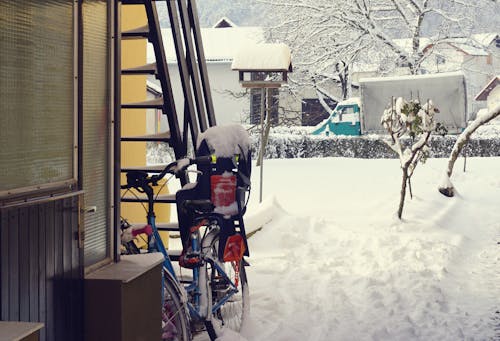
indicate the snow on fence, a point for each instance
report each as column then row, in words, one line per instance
column 364, row 147
column 283, row 146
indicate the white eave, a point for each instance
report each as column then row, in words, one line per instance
column 483, row 95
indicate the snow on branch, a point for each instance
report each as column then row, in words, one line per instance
column 446, row 187
column 417, row 121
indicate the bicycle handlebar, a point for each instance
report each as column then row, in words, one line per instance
column 140, row 179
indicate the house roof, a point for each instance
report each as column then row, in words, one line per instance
column 475, row 45
column 224, row 22
column 219, row 44
column 483, row 95
column 263, row 57
column 485, row 39
column 412, row 77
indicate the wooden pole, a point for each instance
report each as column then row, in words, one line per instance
column 261, row 161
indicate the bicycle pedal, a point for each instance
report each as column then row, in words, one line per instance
column 190, row 260
column 219, row 284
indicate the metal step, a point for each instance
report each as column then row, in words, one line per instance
column 148, row 69
column 132, row 2
column 136, row 2
column 155, row 103
column 149, row 169
column 162, row 198
column 160, row 137
column 136, row 33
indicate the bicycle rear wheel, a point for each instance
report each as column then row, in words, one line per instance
column 232, row 313
column 175, row 321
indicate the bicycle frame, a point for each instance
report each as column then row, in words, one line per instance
column 202, row 305
column 202, row 298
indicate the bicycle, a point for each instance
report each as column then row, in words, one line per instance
column 218, row 289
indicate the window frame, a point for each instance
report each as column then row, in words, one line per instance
column 49, row 189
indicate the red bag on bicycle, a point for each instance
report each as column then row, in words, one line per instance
column 223, row 189
column 235, row 248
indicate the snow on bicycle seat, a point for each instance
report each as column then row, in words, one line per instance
column 224, row 141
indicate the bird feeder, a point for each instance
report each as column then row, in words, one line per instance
column 263, row 66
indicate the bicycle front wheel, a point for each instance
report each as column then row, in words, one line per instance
column 175, row 321
column 233, row 312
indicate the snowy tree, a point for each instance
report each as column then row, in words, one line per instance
column 328, row 37
column 446, row 187
column 411, row 119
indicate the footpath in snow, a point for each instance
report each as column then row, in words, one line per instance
column 332, row 261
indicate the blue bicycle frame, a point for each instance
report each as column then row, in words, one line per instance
column 194, row 287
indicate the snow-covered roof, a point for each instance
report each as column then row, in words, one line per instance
column 410, row 77
column 474, row 46
column 265, row 57
column 485, row 39
column 468, row 48
column 483, row 94
column 219, row 44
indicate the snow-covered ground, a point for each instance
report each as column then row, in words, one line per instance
column 332, row 261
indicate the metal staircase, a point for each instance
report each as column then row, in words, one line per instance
column 198, row 112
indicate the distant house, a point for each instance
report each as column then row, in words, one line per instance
column 491, row 94
column 478, row 57
column 224, row 22
column 220, row 42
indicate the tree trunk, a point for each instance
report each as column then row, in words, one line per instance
column 409, row 187
column 403, row 192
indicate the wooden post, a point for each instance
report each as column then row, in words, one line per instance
column 262, row 148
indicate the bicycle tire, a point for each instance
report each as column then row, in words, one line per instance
column 175, row 320
column 236, row 309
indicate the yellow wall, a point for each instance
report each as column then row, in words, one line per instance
column 133, row 121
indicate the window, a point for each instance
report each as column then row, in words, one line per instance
column 37, row 87
column 313, row 112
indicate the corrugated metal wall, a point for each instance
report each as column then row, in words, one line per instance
column 41, row 267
